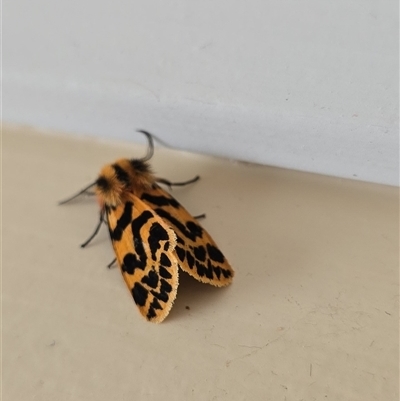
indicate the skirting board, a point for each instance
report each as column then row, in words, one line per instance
column 332, row 145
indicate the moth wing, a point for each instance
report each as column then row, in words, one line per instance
column 197, row 252
column 144, row 247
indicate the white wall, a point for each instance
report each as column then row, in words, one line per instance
column 311, row 85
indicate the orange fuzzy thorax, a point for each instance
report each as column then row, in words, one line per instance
column 122, row 177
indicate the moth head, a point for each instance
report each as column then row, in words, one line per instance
column 109, row 189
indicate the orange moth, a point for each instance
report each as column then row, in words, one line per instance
column 153, row 236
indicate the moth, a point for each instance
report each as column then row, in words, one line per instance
column 153, row 236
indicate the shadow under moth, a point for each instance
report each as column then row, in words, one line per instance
column 153, row 235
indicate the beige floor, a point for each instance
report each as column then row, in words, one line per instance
column 312, row 313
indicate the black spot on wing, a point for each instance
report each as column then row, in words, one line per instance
column 139, row 294
column 151, row 313
column 137, row 242
column 136, row 225
column 217, row 271
column 190, row 259
column 142, row 219
column 165, row 286
column 122, row 223
column 160, row 200
column 165, row 289
column 164, row 272
column 210, row 270
column 164, row 260
column 162, row 296
column 181, row 253
column 201, row 269
column 215, row 254
column 200, row 253
column 131, row 262
column 151, row 279
column 157, row 234
column 155, row 304
column 226, row 273
column 194, row 228
column 191, row 230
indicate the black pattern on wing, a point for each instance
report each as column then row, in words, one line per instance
column 197, row 252
column 144, row 246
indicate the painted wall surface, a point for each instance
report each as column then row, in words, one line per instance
column 310, row 85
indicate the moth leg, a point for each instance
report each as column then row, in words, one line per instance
column 101, row 221
column 200, row 216
column 112, row 263
column 181, row 184
column 177, row 184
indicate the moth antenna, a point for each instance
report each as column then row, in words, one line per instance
column 150, row 146
column 151, row 138
column 76, row 195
